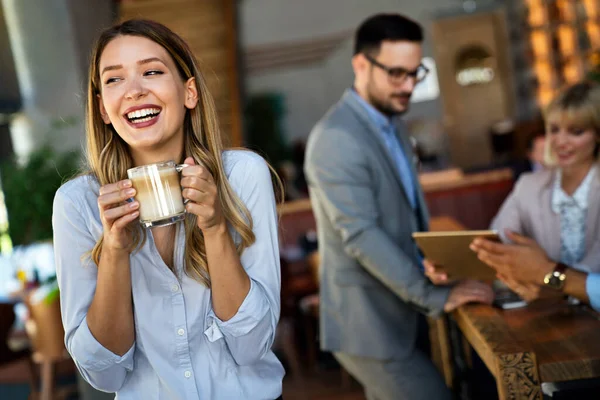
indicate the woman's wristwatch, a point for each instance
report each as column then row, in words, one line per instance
column 556, row 278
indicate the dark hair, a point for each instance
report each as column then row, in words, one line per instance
column 380, row 27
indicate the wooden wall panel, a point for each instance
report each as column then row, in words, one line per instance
column 470, row 110
column 209, row 27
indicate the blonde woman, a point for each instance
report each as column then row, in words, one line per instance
column 556, row 211
column 185, row 311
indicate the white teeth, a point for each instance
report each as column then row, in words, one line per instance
column 138, row 121
column 143, row 113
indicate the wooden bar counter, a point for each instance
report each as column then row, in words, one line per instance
column 548, row 341
column 541, row 343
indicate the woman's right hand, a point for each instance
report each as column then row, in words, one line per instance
column 116, row 214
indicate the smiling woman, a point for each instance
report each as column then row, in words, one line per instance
column 558, row 208
column 186, row 310
column 135, row 68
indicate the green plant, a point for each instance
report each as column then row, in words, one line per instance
column 29, row 189
column 264, row 127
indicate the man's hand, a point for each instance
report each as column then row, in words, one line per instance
column 435, row 275
column 524, row 261
column 469, row 291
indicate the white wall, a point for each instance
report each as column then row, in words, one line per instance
column 268, row 21
column 310, row 91
column 47, row 70
column 50, row 41
column 89, row 19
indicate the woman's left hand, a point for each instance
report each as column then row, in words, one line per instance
column 200, row 190
column 524, row 261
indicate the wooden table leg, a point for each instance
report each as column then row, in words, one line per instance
column 441, row 352
column 47, row 387
column 288, row 344
column 518, row 377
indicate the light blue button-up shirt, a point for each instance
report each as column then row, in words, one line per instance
column 592, row 287
column 387, row 131
column 182, row 350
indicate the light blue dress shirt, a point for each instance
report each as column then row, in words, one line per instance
column 387, row 131
column 592, row 287
column 182, row 350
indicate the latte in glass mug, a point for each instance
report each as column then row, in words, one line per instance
column 158, row 191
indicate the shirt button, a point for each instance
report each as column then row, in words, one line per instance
column 175, row 288
column 187, row 374
column 181, row 332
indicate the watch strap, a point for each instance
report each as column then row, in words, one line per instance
column 560, row 268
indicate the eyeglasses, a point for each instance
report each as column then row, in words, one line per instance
column 398, row 75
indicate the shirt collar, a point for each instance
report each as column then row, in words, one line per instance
column 580, row 197
column 382, row 121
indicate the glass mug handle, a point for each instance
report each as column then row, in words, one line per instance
column 179, row 168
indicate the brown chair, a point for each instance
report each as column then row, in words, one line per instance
column 7, row 319
column 285, row 339
column 296, row 219
column 299, row 285
column 310, row 307
column 45, row 330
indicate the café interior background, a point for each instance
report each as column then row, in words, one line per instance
column 274, row 68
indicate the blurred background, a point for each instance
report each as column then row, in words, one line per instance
column 274, row 68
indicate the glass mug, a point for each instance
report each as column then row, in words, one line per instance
column 158, row 190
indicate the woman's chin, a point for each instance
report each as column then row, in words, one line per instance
column 570, row 163
column 145, row 144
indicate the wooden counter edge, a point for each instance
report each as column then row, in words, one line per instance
column 512, row 363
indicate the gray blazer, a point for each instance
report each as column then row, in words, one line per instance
column 528, row 211
column 371, row 284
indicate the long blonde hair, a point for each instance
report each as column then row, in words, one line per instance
column 577, row 105
column 109, row 158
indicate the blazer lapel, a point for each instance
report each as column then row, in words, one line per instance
column 403, row 138
column 372, row 133
column 549, row 219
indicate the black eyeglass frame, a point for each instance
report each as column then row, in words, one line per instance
column 399, row 74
